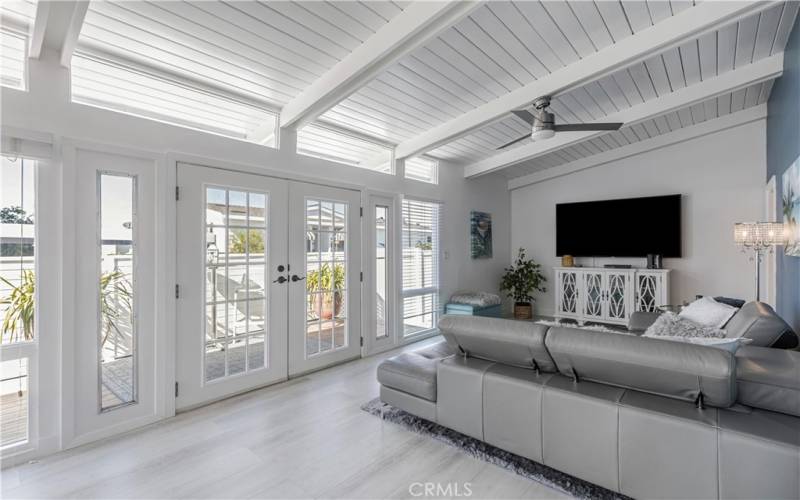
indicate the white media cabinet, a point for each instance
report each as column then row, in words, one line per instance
column 607, row 295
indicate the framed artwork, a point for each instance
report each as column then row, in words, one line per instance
column 791, row 207
column 480, row 235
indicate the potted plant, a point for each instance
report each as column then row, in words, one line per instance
column 519, row 282
column 329, row 279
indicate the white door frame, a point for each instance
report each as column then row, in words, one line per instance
column 75, row 429
column 191, row 315
column 373, row 345
column 300, row 361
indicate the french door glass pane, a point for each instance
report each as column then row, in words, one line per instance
column 326, row 276
column 236, row 284
column 117, row 290
column 381, row 271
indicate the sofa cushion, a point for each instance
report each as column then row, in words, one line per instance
column 672, row 369
column 758, row 321
column 515, row 343
column 410, row 373
column 769, row 379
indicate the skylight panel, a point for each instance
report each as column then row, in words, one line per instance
column 105, row 84
column 328, row 144
column 13, row 56
column 422, row 169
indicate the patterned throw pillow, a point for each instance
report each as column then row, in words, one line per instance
column 670, row 324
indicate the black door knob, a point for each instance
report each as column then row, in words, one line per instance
column 281, row 279
column 297, row 278
column 281, row 268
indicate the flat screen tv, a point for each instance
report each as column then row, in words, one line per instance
column 631, row 227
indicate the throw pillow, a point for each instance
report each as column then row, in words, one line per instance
column 725, row 344
column 670, row 324
column 708, row 312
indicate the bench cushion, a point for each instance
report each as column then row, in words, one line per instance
column 672, row 369
column 769, row 378
column 410, row 373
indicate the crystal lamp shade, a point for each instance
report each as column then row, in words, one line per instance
column 760, row 234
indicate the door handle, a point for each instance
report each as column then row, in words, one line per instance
column 297, row 278
column 281, row 279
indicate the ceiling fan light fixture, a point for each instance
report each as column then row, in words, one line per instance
column 542, row 133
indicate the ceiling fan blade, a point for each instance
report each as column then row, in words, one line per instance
column 587, row 127
column 515, row 141
column 524, row 115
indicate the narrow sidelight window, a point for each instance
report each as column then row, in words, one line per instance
column 381, row 271
column 117, row 326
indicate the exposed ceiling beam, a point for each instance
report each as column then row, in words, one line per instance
column 38, row 29
column 73, row 31
column 671, row 32
column 419, row 23
column 684, row 134
column 56, row 27
column 765, row 69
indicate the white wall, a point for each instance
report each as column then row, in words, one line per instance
column 721, row 178
column 46, row 108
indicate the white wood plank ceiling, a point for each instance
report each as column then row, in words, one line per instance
column 269, row 52
column 264, row 50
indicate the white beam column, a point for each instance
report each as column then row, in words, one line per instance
column 38, row 29
column 765, row 69
column 690, row 23
column 419, row 23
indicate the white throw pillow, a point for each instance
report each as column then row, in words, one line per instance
column 726, row 344
column 708, row 312
column 670, row 324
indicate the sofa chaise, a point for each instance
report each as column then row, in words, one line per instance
column 645, row 417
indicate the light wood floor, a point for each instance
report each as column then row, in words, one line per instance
column 306, row 438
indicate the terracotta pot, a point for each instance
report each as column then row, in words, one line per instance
column 523, row 310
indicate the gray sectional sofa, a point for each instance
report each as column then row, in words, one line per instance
column 644, row 417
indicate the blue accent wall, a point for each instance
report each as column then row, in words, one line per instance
column 783, row 147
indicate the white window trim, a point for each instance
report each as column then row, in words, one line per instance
column 415, row 292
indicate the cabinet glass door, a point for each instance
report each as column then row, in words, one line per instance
column 616, row 288
column 593, row 299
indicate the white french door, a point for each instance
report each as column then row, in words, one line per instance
column 269, row 281
column 231, row 268
column 325, row 276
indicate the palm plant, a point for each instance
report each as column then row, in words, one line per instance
column 19, row 315
column 116, row 302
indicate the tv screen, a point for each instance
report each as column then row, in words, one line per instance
column 632, row 227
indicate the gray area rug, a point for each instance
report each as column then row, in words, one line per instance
column 493, row 455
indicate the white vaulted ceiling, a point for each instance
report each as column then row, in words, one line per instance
column 269, row 51
column 264, row 57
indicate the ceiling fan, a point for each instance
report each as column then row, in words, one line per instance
column 543, row 123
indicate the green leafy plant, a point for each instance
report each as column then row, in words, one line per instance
column 239, row 241
column 19, row 315
column 14, row 215
column 523, row 278
column 116, row 302
column 327, row 278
